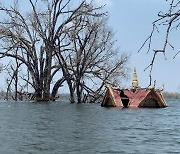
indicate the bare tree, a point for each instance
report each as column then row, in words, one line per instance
column 37, row 36
column 169, row 21
column 93, row 58
column 13, row 72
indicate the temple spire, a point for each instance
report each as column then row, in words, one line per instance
column 135, row 80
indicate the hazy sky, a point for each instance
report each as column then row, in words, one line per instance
column 131, row 20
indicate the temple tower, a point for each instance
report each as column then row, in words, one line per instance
column 135, row 80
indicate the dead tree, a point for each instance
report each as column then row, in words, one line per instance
column 169, row 21
column 92, row 58
column 38, row 35
column 12, row 80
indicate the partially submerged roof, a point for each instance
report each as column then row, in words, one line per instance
column 134, row 97
column 140, row 97
column 112, row 98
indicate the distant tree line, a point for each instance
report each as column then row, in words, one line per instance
column 171, row 95
column 54, row 42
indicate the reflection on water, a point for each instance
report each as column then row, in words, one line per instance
column 61, row 128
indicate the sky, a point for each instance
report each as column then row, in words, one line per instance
column 132, row 23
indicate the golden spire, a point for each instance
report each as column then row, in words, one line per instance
column 135, row 80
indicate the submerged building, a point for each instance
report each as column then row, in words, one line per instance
column 133, row 97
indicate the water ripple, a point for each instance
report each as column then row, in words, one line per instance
column 63, row 128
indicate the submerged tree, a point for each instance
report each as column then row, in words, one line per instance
column 12, row 80
column 93, row 61
column 169, row 21
column 34, row 35
column 61, row 42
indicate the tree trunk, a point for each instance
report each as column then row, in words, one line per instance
column 78, row 92
column 47, row 72
column 72, row 100
column 71, row 90
column 56, row 87
column 16, row 85
column 38, row 94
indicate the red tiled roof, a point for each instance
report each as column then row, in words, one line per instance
column 136, row 97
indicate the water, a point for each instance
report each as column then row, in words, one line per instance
column 61, row 128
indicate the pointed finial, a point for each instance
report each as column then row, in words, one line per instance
column 135, row 80
column 162, row 88
column 154, row 84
